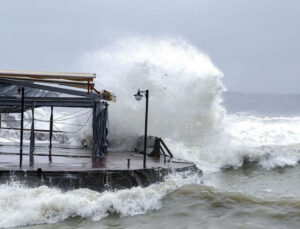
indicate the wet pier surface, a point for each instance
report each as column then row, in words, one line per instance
column 78, row 159
column 73, row 167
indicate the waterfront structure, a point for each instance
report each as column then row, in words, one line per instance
column 70, row 167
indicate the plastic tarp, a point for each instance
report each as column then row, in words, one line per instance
column 8, row 90
column 100, row 128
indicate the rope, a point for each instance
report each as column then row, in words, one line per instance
column 58, row 119
column 41, row 120
column 64, row 118
column 9, row 139
column 82, row 125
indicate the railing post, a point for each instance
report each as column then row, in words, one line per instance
column 22, row 127
column 166, row 147
column 156, row 148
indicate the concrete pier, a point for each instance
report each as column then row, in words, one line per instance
column 73, row 167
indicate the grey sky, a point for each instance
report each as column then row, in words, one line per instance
column 255, row 43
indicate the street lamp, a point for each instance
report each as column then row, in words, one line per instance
column 18, row 94
column 138, row 96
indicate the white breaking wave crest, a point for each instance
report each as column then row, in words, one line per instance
column 20, row 206
column 185, row 106
column 184, row 86
column 270, row 141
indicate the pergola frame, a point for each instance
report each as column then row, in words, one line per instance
column 78, row 99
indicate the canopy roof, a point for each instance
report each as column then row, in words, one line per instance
column 77, row 80
column 35, row 91
column 36, row 85
column 49, row 75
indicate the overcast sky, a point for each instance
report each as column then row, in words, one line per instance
column 256, row 43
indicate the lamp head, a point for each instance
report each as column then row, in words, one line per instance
column 18, row 93
column 138, row 96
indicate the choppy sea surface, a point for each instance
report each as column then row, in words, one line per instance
column 243, row 198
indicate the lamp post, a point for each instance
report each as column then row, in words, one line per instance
column 138, row 96
column 20, row 95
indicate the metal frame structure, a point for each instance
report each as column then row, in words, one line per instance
column 77, row 98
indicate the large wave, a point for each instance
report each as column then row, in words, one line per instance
column 184, row 87
column 185, row 105
column 21, row 206
column 185, row 92
column 269, row 141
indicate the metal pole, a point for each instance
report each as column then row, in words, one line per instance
column 146, row 126
column 22, row 127
column 32, row 137
column 0, row 119
column 50, row 134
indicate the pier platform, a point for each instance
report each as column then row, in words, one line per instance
column 73, row 167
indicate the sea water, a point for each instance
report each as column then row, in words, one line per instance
column 250, row 162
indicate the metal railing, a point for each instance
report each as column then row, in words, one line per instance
column 159, row 148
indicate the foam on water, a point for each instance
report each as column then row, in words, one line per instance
column 20, row 206
column 271, row 141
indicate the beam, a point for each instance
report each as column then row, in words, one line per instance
column 48, row 102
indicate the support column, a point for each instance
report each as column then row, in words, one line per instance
column 95, row 150
column 32, row 137
column 22, row 126
column 98, row 129
column 50, row 134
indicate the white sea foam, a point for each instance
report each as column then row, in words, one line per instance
column 271, row 141
column 20, row 206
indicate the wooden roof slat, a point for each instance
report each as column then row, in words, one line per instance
column 33, row 79
column 49, row 75
column 77, row 84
